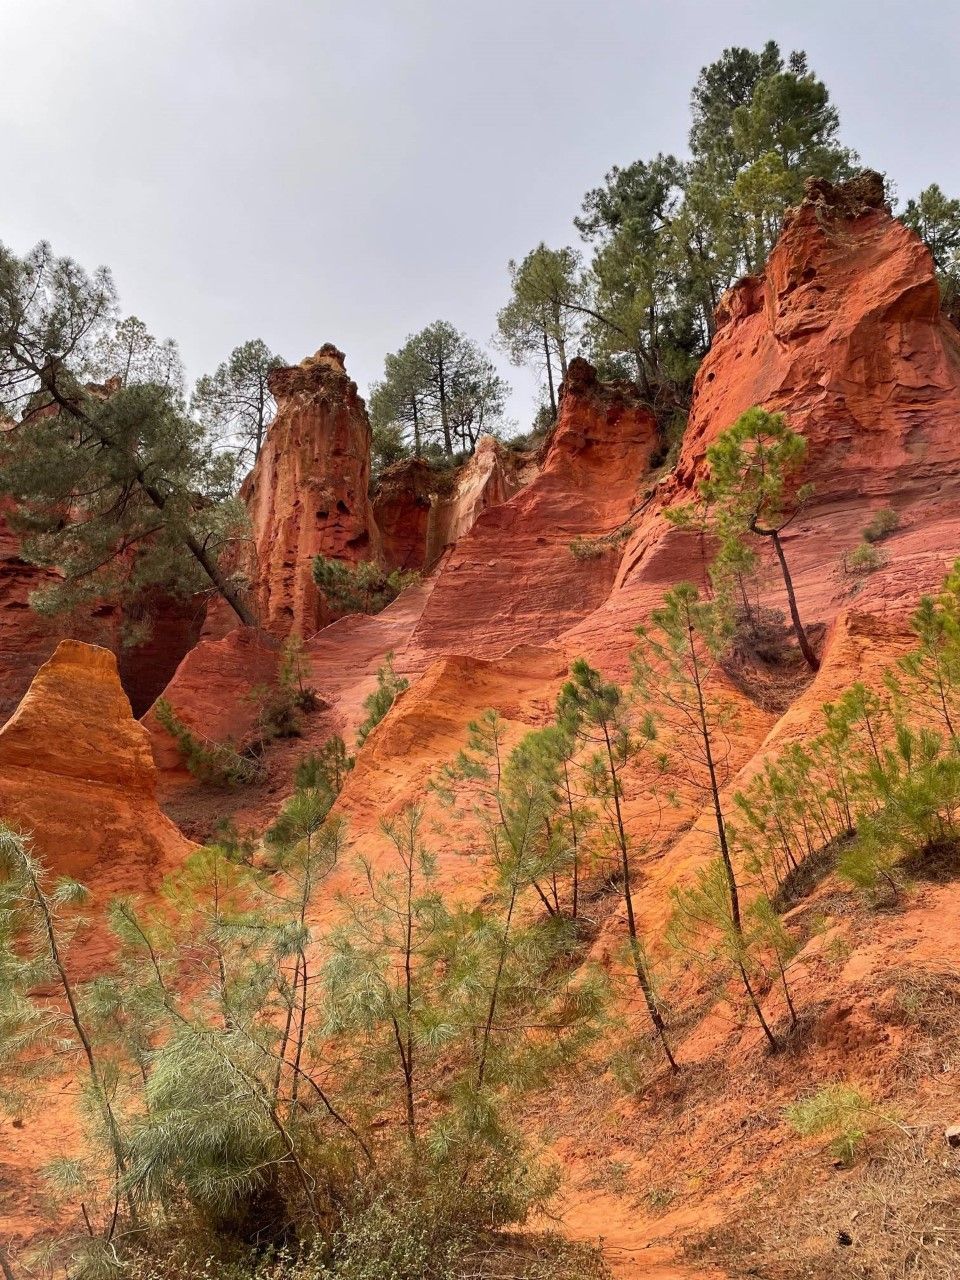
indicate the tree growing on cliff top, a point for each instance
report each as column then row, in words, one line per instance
column 234, row 403
column 762, row 124
column 538, row 324
column 442, row 388
column 936, row 220
column 131, row 353
column 117, row 492
column 669, row 236
column 639, row 323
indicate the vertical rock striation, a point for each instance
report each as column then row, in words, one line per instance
column 307, row 493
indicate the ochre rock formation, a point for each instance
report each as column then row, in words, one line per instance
column 843, row 333
column 76, row 773
column 512, row 578
column 28, row 638
column 486, row 480
column 307, row 493
column 421, row 510
column 213, row 692
column 401, row 508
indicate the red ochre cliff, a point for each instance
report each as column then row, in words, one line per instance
column 842, row 332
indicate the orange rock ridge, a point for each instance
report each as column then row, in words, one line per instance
column 77, row 773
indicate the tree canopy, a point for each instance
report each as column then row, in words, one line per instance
column 115, row 487
column 936, row 220
column 669, row 235
column 234, row 403
column 440, row 391
column 541, row 320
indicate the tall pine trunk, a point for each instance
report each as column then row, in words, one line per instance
column 735, row 914
column 636, row 951
column 553, row 397
column 444, row 409
column 813, row 662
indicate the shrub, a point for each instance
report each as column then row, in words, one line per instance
column 361, row 588
column 883, row 523
column 841, row 1112
column 592, row 548
column 279, row 705
column 277, row 713
column 917, row 814
column 292, row 673
column 326, row 769
column 377, row 704
column 217, row 763
column 863, row 559
column 664, row 458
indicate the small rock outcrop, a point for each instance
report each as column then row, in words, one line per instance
column 77, row 774
column 307, row 493
column 421, row 510
column 212, row 692
column 489, row 478
column 401, row 507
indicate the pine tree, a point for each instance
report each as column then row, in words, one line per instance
column 930, row 673
column 116, row 489
column 751, row 487
column 384, row 977
column 673, row 665
column 595, row 711
column 377, row 704
column 235, row 403
column 37, row 924
column 539, row 323
column 441, row 387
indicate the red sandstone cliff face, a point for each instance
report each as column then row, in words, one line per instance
column 212, row 692
column 489, row 478
column 512, row 578
column 307, row 493
column 843, row 333
column 401, row 508
column 421, row 511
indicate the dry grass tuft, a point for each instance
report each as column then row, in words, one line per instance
column 533, row 1257
column 894, row 1216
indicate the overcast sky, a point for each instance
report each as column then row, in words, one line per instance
column 350, row 170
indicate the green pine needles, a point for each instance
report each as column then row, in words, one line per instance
column 250, row 1076
column 330, row 1056
column 218, row 763
column 378, row 703
column 363, row 587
